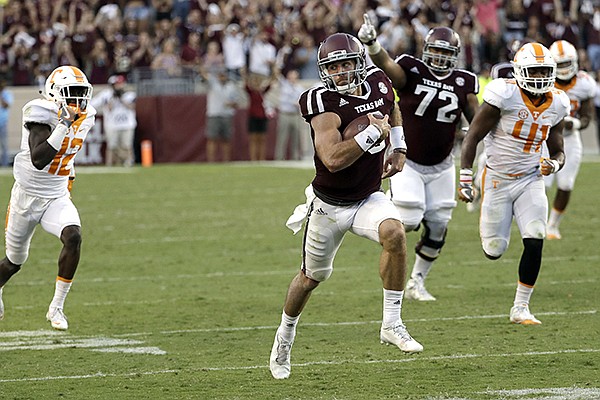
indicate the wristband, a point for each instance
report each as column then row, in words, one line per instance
column 57, row 136
column 397, row 138
column 374, row 48
column 466, row 173
column 367, row 138
column 555, row 164
column 576, row 123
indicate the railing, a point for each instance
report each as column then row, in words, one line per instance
column 162, row 82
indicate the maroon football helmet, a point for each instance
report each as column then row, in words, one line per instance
column 341, row 47
column 446, row 43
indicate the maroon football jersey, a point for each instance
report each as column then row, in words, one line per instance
column 431, row 109
column 363, row 177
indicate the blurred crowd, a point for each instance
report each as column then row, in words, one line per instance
column 108, row 37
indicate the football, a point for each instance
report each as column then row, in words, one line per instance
column 358, row 125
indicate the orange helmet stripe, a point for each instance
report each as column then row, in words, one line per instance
column 78, row 74
column 561, row 49
column 538, row 52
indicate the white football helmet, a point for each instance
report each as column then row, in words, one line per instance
column 68, row 85
column 531, row 60
column 565, row 55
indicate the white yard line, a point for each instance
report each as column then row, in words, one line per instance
column 408, row 359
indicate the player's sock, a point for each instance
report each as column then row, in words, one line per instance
column 555, row 217
column 392, row 304
column 422, row 266
column 523, row 294
column 61, row 290
column 287, row 329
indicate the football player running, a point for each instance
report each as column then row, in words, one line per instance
column 54, row 129
column 502, row 69
column 516, row 118
column 433, row 94
column 581, row 89
column 345, row 194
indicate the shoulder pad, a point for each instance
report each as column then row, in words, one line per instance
column 590, row 83
column 501, row 87
column 41, row 111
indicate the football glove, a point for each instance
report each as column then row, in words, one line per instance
column 548, row 166
column 465, row 185
column 367, row 33
column 67, row 115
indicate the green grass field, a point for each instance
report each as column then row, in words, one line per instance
column 183, row 275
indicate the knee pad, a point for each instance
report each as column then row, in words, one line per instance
column 319, row 274
column 432, row 240
column 17, row 258
column 494, row 247
column 535, row 230
column 318, row 258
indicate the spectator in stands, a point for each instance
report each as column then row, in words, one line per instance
column 215, row 23
column 222, row 100
column 515, row 21
column 257, row 86
column 130, row 34
column 191, row 51
column 181, row 9
column 99, row 63
column 394, row 35
column 143, row 56
column 140, row 11
column 262, row 55
column 6, row 101
column 82, row 34
column 319, row 18
column 21, row 65
column 234, row 55
column 289, row 121
column 192, row 23
column 167, row 61
column 213, row 60
column 163, row 9
column 44, row 64
column 64, row 53
column 592, row 36
column 121, row 58
column 305, row 59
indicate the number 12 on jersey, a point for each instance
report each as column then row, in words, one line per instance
column 60, row 163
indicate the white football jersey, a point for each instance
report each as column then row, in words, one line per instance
column 51, row 181
column 581, row 88
column 514, row 146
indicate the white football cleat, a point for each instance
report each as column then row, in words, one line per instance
column 552, row 233
column 415, row 290
column 1, row 305
column 521, row 315
column 57, row 319
column 399, row 336
column 280, row 361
